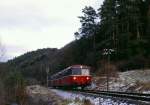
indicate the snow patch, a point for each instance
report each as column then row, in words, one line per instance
column 94, row 100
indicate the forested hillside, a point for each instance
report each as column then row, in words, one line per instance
column 33, row 64
column 121, row 26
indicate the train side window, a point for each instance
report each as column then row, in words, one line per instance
column 63, row 74
column 76, row 71
column 68, row 72
column 57, row 76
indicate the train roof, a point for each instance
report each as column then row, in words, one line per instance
column 79, row 66
column 73, row 66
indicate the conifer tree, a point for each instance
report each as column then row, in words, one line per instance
column 88, row 22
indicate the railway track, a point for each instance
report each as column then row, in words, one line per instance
column 126, row 95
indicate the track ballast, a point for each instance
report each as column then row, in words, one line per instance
column 126, row 95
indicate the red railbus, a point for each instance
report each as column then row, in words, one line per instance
column 73, row 76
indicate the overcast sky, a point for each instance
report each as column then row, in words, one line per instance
column 27, row 25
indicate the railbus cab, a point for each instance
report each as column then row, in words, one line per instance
column 73, row 76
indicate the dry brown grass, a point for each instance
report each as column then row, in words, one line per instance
column 107, row 69
column 87, row 102
column 144, row 86
column 140, row 87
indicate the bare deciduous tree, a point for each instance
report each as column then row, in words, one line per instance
column 109, row 71
column 2, row 51
column 2, row 90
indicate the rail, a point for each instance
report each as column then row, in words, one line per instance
column 133, row 96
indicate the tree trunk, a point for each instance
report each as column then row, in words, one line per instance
column 148, row 19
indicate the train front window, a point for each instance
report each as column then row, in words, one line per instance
column 85, row 72
column 76, row 71
column 79, row 71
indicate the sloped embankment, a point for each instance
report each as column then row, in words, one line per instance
column 132, row 81
column 39, row 95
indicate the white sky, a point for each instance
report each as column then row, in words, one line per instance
column 27, row 25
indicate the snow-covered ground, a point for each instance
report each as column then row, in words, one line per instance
column 135, row 81
column 135, row 75
column 95, row 100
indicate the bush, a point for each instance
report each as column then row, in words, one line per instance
column 15, row 87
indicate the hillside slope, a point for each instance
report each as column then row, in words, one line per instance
column 132, row 81
column 33, row 64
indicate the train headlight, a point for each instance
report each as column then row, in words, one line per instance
column 74, row 78
column 87, row 78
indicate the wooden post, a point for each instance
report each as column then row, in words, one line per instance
column 47, row 72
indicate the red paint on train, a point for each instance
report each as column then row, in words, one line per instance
column 76, row 75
